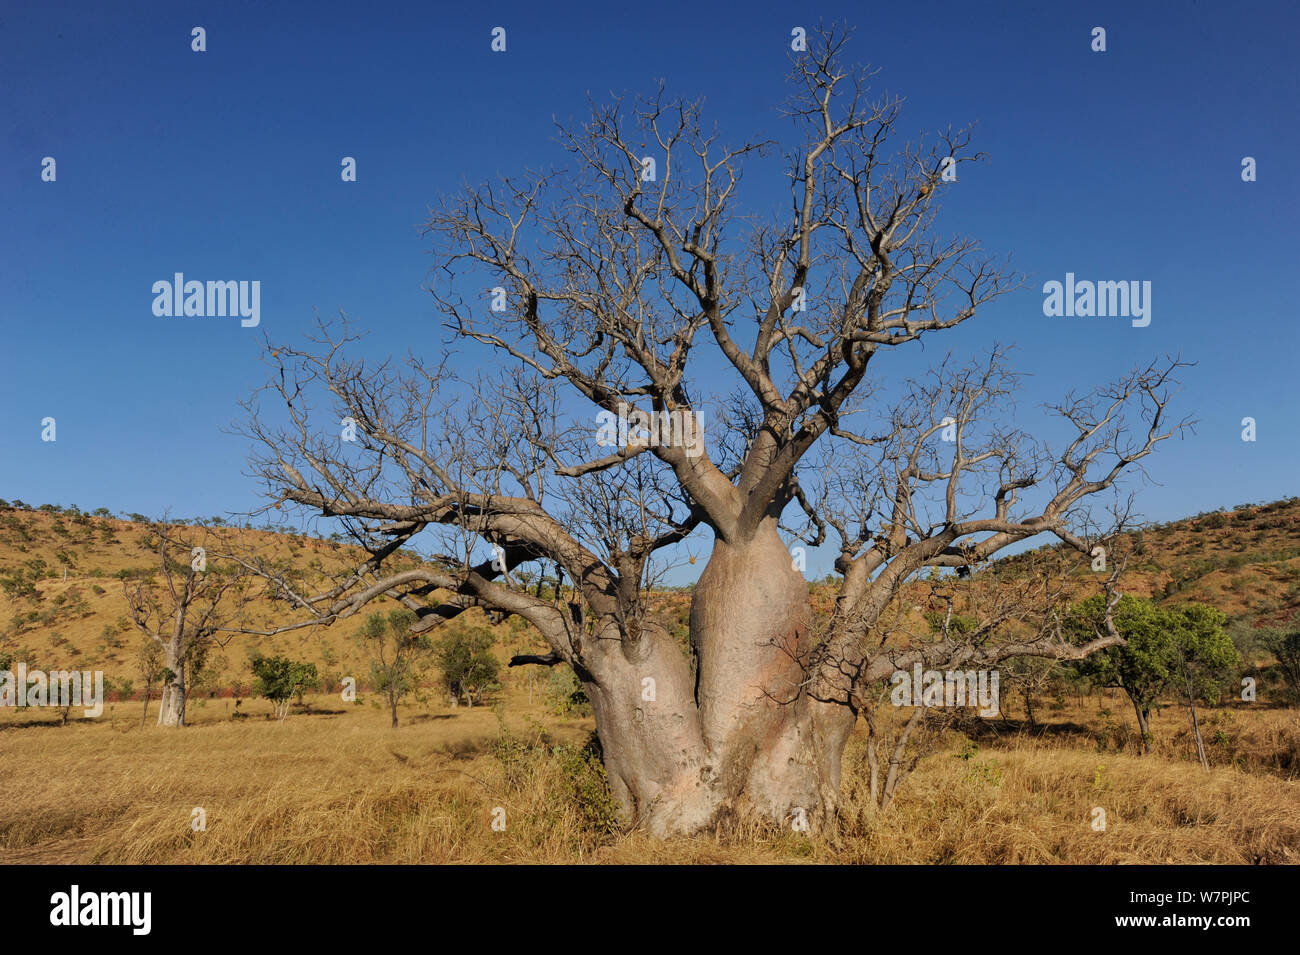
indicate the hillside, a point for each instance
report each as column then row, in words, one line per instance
column 62, row 602
column 1245, row 562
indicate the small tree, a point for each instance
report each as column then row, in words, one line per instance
column 1207, row 655
column 1028, row 676
column 565, row 694
column 396, row 654
column 1286, row 648
column 467, row 664
column 152, row 671
column 279, row 678
column 1161, row 650
column 191, row 599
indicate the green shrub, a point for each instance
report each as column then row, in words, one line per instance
column 278, row 679
column 564, row 694
column 468, row 666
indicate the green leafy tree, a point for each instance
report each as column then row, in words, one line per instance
column 396, row 655
column 279, row 678
column 1184, row 647
column 1208, row 657
column 468, row 666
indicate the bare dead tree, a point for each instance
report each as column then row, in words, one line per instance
column 192, row 600
column 592, row 451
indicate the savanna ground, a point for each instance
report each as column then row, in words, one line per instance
column 335, row 784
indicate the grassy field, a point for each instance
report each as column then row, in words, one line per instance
column 335, row 784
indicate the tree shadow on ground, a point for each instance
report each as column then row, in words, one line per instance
column 996, row 731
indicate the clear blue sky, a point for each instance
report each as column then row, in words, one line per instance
column 225, row 164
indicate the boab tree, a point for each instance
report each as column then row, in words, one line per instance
column 595, row 287
column 191, row 599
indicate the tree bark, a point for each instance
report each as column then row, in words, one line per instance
column 684, row 755
column 1143, row 726
column 171, row 708
column 1196, row 724
column 643, row 699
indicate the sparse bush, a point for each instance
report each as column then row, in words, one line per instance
column 564, row 694
column 569, row 782
column 1286, row 648
column 19, row 586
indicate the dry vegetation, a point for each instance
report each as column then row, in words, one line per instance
column 82, row 621
column 334, row 784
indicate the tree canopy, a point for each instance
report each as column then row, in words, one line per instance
column 737, row 349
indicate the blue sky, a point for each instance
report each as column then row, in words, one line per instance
column 225, row 164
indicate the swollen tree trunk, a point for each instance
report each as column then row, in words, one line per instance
column 750, row 625
column 685, row 753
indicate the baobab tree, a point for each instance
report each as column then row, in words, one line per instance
column 611, row 301
column 191, row 600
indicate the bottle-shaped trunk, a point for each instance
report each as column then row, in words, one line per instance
column 171, row 710
column 742, row 735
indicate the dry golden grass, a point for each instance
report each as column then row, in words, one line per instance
column 1034, row 804
column 339, row 786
